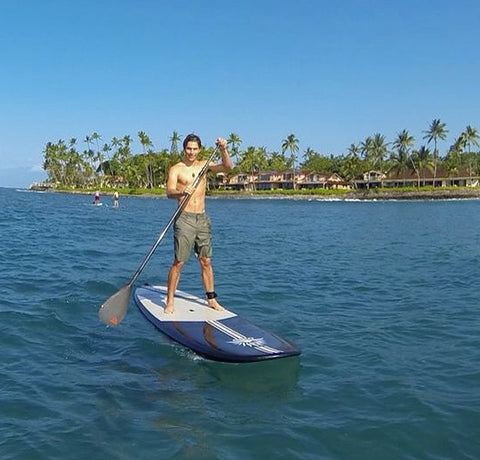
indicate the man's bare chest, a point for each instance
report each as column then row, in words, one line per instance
column 188, row 174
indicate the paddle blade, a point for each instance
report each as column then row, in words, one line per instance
column 114, row 309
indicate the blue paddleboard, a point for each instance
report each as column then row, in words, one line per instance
column 215, row 335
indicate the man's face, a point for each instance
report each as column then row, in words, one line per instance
column 191, row 150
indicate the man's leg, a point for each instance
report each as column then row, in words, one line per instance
column 172, row 283
column 208, row 281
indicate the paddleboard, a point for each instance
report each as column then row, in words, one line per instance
column 216, row 335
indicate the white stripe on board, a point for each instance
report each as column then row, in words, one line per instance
column 242, row 340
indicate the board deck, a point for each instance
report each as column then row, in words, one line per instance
column 215, row 335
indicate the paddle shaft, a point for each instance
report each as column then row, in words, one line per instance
column 178, row 210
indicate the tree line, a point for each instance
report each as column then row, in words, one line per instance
column 113, row 164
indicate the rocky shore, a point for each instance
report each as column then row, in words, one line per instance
column 364, row 195
column 437, row 194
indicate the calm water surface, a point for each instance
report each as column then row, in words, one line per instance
column 382, row 297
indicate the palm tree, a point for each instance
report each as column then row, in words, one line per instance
column 401, row 158
column 106, row 165
column 50, row 163
column 291, row 143
column 87, row 140
column 366, row 148
column 309, row 155
column 437, row 130
column 96, row 137
column 373, row 150
column 469, row 138
column 454, row 156
column 379, row 150
column 175, row 138
column 98, row 157
column 144, row 140
column 354, row 151
column 253, row 161
column 423, row 159
column 89, row 154
column 116, row 142
column 234, row 142
column 277, row 162
column 123, row 157
column 351, row 166
column 146, row 145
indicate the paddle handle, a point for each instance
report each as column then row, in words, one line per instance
column 178, row 210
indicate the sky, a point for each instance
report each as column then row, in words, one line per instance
column 330, row 72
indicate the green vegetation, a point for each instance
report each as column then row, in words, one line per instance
column 114, row 165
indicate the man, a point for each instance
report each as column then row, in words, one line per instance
column 192, row 229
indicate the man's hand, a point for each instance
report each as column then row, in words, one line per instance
column 221, row 143
column 189, row 190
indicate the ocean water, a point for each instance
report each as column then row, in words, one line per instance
column 382, row 297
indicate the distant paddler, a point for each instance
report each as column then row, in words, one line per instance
column 96, row 198
column 115, row 199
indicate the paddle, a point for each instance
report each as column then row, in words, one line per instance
column 114, row 309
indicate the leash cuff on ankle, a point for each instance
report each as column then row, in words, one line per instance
column 211, row 295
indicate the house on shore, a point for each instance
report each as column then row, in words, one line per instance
column 286, row 180
column 462, row 177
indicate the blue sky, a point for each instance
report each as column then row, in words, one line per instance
column 332, row 73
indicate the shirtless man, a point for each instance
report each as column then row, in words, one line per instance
column 192, row 227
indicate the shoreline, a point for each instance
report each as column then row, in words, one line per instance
column 351, row 195
column 364, row 195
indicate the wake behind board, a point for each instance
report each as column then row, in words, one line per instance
column 215, row 335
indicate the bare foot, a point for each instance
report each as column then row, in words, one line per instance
column 212, row 303
column 168, row 309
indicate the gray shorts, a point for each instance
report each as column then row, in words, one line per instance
column 192, row 231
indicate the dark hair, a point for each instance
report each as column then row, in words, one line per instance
column 192, row 138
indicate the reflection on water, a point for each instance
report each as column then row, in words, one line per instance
column 270, row 378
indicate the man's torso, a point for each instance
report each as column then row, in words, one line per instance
column 185, row 176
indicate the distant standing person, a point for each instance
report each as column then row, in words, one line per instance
column 96, row 198
column 115, row 199
column 192, row 228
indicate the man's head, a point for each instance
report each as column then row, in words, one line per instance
column 192, row 138
column 191, row 148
